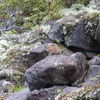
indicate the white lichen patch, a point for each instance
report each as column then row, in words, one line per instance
column 45, row 28
column 38, row 44
column 6, row 72
column 73, row 14
column 3, row 45
column 5, row 83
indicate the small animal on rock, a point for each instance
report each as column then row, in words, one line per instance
column 52, row 48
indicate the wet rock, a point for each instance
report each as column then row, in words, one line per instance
column 94, row 61
column 45, row 94
column 80, row 58
column 53, row 70
column 36, row 55
column 92, row 75
column 21, row 95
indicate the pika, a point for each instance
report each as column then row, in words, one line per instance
column 52, row 48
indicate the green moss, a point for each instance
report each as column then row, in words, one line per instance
column 32, row 10
column 15, row 88
column 62, row 47
column 98, row 55
column 54, row 41
column 11, row 32
column 59, row 90
column 19, row 89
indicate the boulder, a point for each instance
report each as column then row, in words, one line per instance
column 45, row 94
column 67, row 52
column 21, row 95
column 69, row 89
column 90, row 55
column 94, row 61
column 52, row 70
column 42, row 94
column 36, row 55
column 80, row 59
column 93, row 75
column 79, row 39
column 97, row 34
column 55, row 33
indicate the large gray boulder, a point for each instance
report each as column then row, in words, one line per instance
column 53, row 70
column 78, row 38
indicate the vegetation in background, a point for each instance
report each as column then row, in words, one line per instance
column 33, row 11
column 68, row 3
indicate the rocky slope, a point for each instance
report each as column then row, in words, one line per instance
column 77, row 69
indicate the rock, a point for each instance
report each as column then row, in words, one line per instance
column 21, row 95
column 97, row 34
column 78, row 38
column 94, row 61
column 93, row 75
column 52, row 70
column 69, row 89
column 67, row 52
column 45, row 94
column 81, row 62
column 47, row 40
column 55, row 33
column 84, row 93
column 4, row 85
column 52, row 22
column 90, row 55
column 36, row 55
